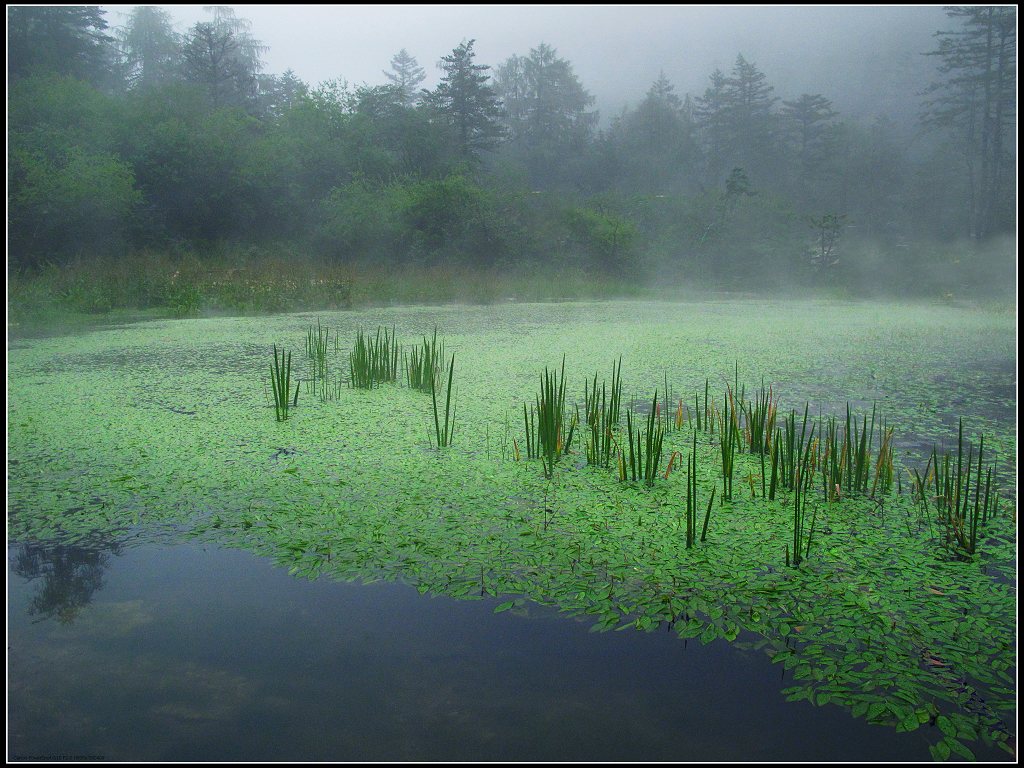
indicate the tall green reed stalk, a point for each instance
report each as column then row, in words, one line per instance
column 552, row 436
column 280, row 382
column 425, row 365
column 317, row 341
column 760, row 421
column 729, row 442
column 444, row 434
column 373, row 361
column 645, row 447
column 601, row 414
column 802, row 488
column 961, row 518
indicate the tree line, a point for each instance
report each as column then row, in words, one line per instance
column 133, row 138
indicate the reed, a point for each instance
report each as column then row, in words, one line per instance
column 373, row 361
column 691, row 496
column 444, row 434
column 802, row 486
column 961, row 518
column 760, row 421
column 548, row 435
column 280, row 383
column 729, row 442
column 424, row 365
column 601, row 414
column 645, row 447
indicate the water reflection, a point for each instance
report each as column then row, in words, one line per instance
column 71, row 576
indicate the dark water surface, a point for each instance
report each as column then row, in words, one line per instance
column 190, row 653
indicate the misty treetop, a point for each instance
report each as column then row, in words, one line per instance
column 142, row 138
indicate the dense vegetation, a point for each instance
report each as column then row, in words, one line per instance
column 148, row 168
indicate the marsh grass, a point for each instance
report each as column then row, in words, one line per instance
column 950, row 480
column 444, row 435
column 644, row 447
column 280, row 383
column 548, row 431
column 801, row 492
column 760, row 421
column 601, row 415
column 729, row 443
column 373, row 361
column 424, row 365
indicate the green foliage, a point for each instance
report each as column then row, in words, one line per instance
column 606, row 239
column 80, row 204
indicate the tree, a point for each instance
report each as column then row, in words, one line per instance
column 150, row 48
column 545, row 103
column 808, row 119
column 657, row 142
column 223, row 57
column 406, row 75
column 467, row 103
column 808, row 125
column 976, row 102
column 212, row 60
column 736, row 112
column 279, row 93
column 63, row 40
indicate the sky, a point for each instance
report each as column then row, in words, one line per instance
column 848, row 53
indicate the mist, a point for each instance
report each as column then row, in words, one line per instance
column 776, row 149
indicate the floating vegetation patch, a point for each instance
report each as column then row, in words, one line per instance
column 875, row 613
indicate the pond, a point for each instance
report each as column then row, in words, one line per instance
column 191, row 579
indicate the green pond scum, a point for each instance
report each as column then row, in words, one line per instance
column 844, row 575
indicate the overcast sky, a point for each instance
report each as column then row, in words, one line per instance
column 846, row 53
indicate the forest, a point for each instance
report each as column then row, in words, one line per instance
column 153, row 169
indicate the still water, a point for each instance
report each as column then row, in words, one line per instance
column 184, row 652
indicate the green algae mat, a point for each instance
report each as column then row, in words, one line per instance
column 169, row 430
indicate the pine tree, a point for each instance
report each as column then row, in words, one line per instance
column 65, row 40
column 406, row 75
column 976, row 102
column 150, row 48
column 467, row 103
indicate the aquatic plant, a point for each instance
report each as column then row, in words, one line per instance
column 549, row 437
column 373, row 361
column 760, row 421
column 645, row 448
column 280, row 382
column 424, row 365
column 801, row 491
column 729, row 442
column 960, row 518
column 444, row 434
column 601, row 415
